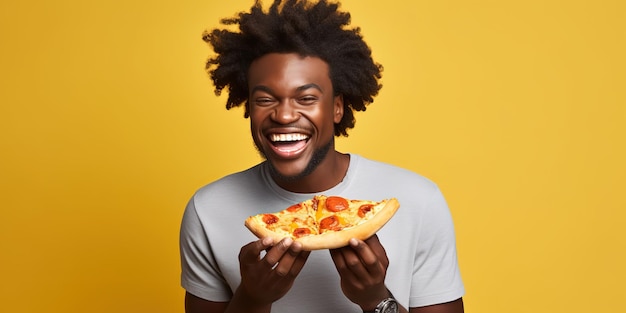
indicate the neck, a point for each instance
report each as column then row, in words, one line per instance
column 328, row 174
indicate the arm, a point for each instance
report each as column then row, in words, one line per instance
column 455, row 306
column 363, row 266
column 194, row 304
column 263, row 280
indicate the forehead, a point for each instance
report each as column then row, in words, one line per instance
column 288, row 70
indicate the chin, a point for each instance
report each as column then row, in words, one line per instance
column 290, row 170
column 293, row 170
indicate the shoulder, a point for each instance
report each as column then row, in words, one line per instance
column 418, row 196
column 241, row 189
column 389, row 176
column 232, row 183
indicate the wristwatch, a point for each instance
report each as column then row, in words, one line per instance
column 389, row 305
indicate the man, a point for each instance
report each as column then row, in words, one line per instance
column 300, row 74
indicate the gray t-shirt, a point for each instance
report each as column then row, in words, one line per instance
column 419, row 239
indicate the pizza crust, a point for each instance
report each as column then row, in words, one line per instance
column 331, row 239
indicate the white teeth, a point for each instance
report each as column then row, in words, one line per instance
column 288, row 137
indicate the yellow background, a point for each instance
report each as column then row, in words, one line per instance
column 108, row 123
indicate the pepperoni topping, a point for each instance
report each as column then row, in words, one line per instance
column 330, row 223
column 270, row 219
column 294, row 208
column 301, row 232
column 336, row 204
column 364, row 209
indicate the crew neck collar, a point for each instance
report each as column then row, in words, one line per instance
column 298, row 197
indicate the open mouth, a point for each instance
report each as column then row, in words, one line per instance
column 288, row 144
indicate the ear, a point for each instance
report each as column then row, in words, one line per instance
column 338, row 108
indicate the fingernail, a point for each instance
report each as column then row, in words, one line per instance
column 288, row 241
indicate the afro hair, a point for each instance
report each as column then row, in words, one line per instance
column 307, row 28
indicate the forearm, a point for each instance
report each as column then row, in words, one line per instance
column 237, row 304
column 241, row 303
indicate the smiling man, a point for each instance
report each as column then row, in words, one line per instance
column 300, row 72
column 293, row 112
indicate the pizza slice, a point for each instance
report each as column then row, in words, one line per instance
column 324, row 222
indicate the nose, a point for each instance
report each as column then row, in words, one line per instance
column 285, row 112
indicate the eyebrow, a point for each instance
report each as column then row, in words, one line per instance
column 308, row 86
column 300, row 88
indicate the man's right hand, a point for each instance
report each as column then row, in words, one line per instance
column 265, row 279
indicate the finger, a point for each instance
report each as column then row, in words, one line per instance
column 250, row 252
column 374, row 244
column 292, row 261
column 341, row 257
column 337, row 257
column 274, row 254
column 299, row 263
column 368, row 263
column 364, row 252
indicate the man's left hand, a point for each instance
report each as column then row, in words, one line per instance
column 362, row 266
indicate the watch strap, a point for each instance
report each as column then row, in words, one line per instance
column 381, row 304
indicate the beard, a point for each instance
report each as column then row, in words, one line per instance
column 318, row 156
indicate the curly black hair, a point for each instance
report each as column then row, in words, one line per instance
column 295, row 26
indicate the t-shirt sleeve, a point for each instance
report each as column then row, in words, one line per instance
column 200, row 273
column 436, row 276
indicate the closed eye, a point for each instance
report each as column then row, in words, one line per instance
column 263, row 101
column 307, row 100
